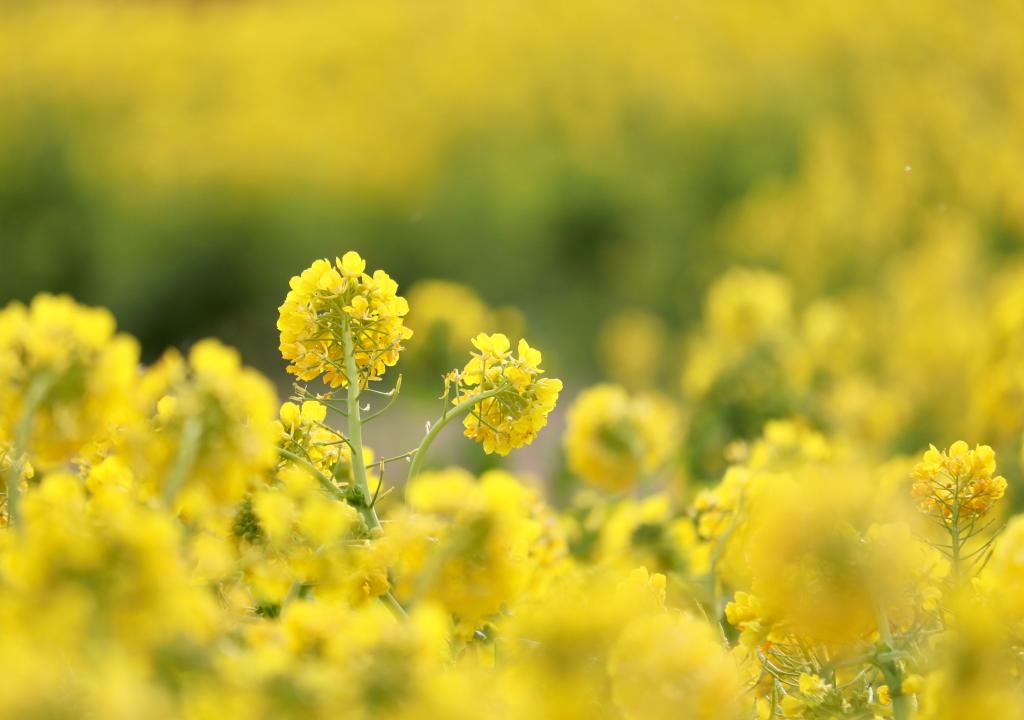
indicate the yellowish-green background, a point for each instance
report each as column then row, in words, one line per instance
column 179, row 161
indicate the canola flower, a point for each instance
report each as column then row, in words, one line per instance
column 200, row 549
column 792, row 578
column 509, row 400
column 333, row 312
column 958, row 481
column 958, row 487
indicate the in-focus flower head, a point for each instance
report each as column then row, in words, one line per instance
column 519, row 399
column 327, row 299
column 958, row 481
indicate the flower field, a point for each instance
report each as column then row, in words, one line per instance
column 632, row 361
column 176, row 541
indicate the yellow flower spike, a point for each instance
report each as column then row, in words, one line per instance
column 319, row 307
column 957, row 483
column 505, row 401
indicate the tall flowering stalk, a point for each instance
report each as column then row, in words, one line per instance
column 346, row 327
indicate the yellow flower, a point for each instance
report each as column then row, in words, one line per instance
column 612, row 439
column 471, row 546
column 885, row 695
column 958, row 482
column 212, row 429
column 670, row 666
column 65, row 372
column 323, row 304
column 519, row 399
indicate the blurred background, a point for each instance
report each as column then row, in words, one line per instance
column 803, row 207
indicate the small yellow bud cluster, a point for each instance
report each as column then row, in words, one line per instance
column 959, row 481
column 327, row 301
column 518, row 401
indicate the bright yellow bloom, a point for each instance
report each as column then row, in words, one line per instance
column 519, row 401
column 325, row 300
column 471, row 546
column 959, row 482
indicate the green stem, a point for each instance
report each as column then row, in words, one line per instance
column 33, row 398
column 396, row 607
column 954, row 532
column 325, row 483
column 463, row 407
column 903, row 705
column 188, row 451
column 355, row 433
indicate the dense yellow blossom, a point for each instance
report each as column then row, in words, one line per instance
column 328, row 302
column 958, row 481
column 670, row 666
column 517, row 400
column 198, row 549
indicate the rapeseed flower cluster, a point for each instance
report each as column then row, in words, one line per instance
column 332, row 306
column 198, row 549
column 958, row 481
column 510, row 401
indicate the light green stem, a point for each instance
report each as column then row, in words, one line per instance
column 33, row 398
column 903, row 706
column 396, row 607
column 188, row 451
column 355, row 433
column 463, row 407
column 324, row 481
column 954, row 533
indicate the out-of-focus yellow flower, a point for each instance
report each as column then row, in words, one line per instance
column 471, row 546
column 670, row 666
column 66, row 376
column 613, row 439
column 633, row 348
column 213, row 433
column 327, row 301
